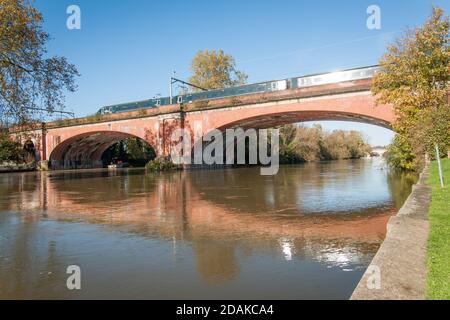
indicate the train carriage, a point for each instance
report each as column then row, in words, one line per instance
column 262, row 87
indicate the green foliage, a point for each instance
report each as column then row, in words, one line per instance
column 10, row 150
column 137, row 150
column 303, row 144
column 162, row 164
column 213, row 69
column 289, row 144
column 439, row 239
column 399, row 154
column 132, row 150
column 415, row 79
column 28, row 78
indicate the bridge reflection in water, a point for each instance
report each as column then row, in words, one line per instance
column 308, row 232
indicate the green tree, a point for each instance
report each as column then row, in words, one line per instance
column 288, row 144
column 28, row 79
column 415, row 79
column 213, row 69
column 10, row 150
column 399, row 154
column 132, row 150
column 138, row 151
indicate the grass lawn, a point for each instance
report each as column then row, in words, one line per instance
column 439, row 241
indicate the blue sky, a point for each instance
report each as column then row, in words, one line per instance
column 127, row 49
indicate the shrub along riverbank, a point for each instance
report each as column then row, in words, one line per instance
column 439, row 240
column 299, row 143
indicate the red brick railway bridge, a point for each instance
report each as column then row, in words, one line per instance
column 80, row 143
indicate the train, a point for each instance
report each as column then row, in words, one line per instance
column 241, row 90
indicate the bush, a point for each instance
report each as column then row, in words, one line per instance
column 162, row 164
column 305, row 144
column 9, row 150
column 400, row 155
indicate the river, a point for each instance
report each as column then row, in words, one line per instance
column 307, row 233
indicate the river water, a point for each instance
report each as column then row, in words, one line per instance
column 307, row 233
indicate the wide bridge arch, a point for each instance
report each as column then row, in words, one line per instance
column 85, row 150
column 356, row 107
column 83, row 146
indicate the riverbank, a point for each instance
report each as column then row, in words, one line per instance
column 439, row 242
column 399, row 269
column 13, row 167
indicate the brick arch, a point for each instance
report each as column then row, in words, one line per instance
column 85, row 150
column 353, row 107
column 278, row 119
column 357, row 107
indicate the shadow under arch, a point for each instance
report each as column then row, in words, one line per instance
column 84, row 151
column 29, row 152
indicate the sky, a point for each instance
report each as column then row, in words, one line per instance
column 126, row 50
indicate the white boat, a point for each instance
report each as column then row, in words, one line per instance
column 118, row 166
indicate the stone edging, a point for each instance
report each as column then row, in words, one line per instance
column 399, row 269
